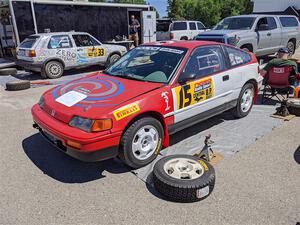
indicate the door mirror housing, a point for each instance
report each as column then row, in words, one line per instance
column 185, row 77
column 263, row 27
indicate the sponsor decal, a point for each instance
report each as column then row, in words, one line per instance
column 100, row 91
column 203, row 164
column 165, row 95
column 158, row 147
column 201, row 193
column 95, row 52
column 194, row 92
column 126, row 111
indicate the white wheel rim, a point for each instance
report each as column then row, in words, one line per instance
column 114, row 58
column 183, row 169
column 145, row 142
column 290, row 48
column 54, row 69
column 247, row 100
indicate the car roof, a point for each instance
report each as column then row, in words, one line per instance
column 183, row 44
column 259, row 15
column 58, row 33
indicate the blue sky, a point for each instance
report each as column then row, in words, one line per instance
column 160, row 5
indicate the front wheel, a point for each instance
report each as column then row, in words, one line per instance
column 141, row 142
column 245, row 101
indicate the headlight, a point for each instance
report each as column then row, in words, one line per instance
column 233, row 40
column 42, row 102
column 90, row 125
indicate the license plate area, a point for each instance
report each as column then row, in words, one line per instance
column 58, row 143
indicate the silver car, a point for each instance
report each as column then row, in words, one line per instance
column 52, row 53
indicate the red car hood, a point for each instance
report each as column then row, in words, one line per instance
column 103, row 94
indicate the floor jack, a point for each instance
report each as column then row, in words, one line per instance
column 282, row 110
column 207, row 153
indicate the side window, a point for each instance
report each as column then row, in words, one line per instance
column 205, row 61
column 289, row 22
column 59, row 41
column 200, row 26
column 237, row 57
column 272, row 23
column 192, row 26
column 83, row 40
column 262, row 21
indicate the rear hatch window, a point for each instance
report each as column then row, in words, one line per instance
column 29, row 42
column 179, row 26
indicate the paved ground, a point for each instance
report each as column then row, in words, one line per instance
column 39, row 185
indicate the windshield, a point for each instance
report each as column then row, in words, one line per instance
column 148, row 63
column 29, row 42
column 235, row 23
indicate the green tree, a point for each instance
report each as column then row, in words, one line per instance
column 209, row 12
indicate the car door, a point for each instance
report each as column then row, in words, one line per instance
column 61, row 46
column 205, row 94
column 263, row 36
column 193, row 30
column 201, row 27
column 276, row 34
column 89, row 50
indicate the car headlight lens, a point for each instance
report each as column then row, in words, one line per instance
column 90, row 125
column 233, row 40
column 42, row 102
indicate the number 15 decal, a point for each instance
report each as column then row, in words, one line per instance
column 185, row 96
column 194, row 92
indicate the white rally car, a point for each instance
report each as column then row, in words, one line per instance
column 52, row 53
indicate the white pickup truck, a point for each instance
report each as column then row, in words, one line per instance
column 260, row 34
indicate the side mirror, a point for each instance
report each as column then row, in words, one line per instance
column 185, row 77
column 263, row 27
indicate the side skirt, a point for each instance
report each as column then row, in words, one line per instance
column 201, row 117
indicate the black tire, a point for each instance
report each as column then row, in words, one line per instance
column 237, row 111
column 184, row 190
column 112, row 59
column 52, row 70
column 8, row 71
column 291, row 47
column 184, row 38
column 126, row 153
column 17, row 85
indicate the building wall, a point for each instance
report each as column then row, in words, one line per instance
column 274, row 5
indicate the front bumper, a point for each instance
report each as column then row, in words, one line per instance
column 27, row 65
column 94, row 146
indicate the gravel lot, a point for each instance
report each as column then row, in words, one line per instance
column 40, row 185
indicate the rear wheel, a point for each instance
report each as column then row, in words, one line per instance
column 184, row 38
column 291, row 47
column 112, row 59
column 141, row 142
column 52, row 70
column 245, row 101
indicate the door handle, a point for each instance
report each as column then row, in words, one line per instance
column 269, row 34
column 226, row 77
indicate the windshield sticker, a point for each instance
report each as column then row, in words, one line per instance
column 172, row 50
column 126, row 111
column 194, row 92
